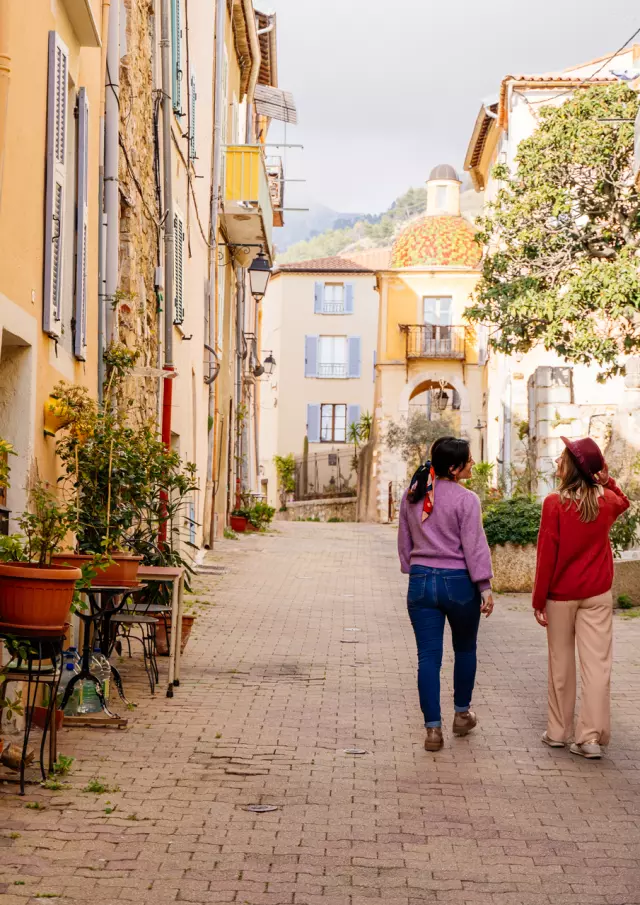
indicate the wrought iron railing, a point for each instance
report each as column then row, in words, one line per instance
column 332, row 370
column 323, row 476
column 434, row 341
column 333, row 307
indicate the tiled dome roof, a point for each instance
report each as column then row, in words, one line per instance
column 444, row 241
column 444, row 171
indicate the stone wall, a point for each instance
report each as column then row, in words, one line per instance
column 514, row 568
column 139, row 201
column 343, row 508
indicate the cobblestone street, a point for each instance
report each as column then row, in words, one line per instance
column 303, row 649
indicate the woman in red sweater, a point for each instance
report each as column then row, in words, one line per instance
column 572, row 595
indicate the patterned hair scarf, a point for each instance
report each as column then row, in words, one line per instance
column 427, row 473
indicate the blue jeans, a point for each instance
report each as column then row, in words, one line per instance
column 435, row 595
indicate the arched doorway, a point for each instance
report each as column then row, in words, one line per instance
column 437, row 400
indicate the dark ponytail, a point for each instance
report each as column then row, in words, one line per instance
column 447, row 454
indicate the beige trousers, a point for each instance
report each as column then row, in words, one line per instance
column 590, row 623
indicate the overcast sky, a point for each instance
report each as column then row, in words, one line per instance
column 387, row 89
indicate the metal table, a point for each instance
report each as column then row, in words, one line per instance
column 171, row 577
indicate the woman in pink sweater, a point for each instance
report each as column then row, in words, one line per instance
column 442, row 545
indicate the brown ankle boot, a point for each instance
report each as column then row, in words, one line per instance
column 434, row 740
column 463, row 723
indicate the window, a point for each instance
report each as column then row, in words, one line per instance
column 333, row 298
column 438, row 310
column 437, row 333
column 333, row 302
column 333, row 423
column 441, row 197
column 332, row 356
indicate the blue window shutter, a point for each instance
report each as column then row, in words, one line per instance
column 375, row 359
column 311, row 356
column 178, row 270
column 54, row 225
column 176, row 54
column 313, row 422
column 353, row 415
column 318, row 298
column 192, row 117
column 349, row 291
column 80, row 301
column 354, row 356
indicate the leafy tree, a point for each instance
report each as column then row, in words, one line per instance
column 564, row 236
column 414, row 435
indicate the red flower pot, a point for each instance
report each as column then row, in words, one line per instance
column 162, row 642
column 239, row 523
column 123, row 571
column 36, row 596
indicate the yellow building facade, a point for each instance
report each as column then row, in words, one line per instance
column 49, row 132
column 429, row 361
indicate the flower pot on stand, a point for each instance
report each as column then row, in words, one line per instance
column 239, row 523
column 122, row 571
column 163, row 643
column 33, row 596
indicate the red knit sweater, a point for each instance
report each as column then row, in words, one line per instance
column 574, row 558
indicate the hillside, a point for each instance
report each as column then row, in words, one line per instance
column 371, row 231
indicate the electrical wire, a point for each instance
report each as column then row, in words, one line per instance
column 593, row 74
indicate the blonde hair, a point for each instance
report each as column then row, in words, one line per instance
column 574, row 488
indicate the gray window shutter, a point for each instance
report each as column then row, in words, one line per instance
column 353, row 416
column 82, row 201
column 313, row 422
column 178, row 298
column 311, row 356
column 55, row 185
column 349, row 291
column 318, row 298
column 176, row 53
column 354, row 356
column 192, row 118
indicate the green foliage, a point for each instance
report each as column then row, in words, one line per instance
column 625, row 531
column 625, row 602
column 563, row 235
column 258, row 514
column 230, row 534
column 373, row 231
column 335, row 518
column 366, row 426
column 63, row 765
column 480, row 481
column 286, row 471
column 45, row 525
column 6, row 450
column 98, row 787
column 414, row 435
column 513, row 521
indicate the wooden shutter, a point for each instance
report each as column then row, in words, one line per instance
column 176, row 54
column 353, row 416
column 313, row 422
column 178, row 297
column 318, row 298
column 349, row 291
column 55, row 184
column 311, row 356
column 192, row 118
column 353, row 364
column 82, row 226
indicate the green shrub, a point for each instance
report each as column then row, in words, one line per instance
column 624, row 532
column 625, row 602
column 513, row 521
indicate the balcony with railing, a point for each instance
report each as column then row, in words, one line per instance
column 247, row 206
column 434, row 341
column 333, row 369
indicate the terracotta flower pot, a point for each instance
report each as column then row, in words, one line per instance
column 36, row 596
column 162, row 642
column 39, row 717
column 123, row 571
column 239, row 523
column 251, row 527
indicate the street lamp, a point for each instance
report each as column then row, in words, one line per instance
column 259, row 274
column 269, row 364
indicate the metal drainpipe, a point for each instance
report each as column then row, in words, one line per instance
column 216, row 171
column 111, row 162
column 102, row 220
column 167, row 113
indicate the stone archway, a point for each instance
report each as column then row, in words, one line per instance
column 426, row 380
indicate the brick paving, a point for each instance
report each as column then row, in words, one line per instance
column 275, row 687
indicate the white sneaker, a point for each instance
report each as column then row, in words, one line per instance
column 551, row 743
column 590, row 750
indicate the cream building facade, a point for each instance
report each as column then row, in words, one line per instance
column 51, row 81
column 535, row 398
column 320, row 322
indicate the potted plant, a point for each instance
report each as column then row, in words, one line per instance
column 239, row 520
column 34, row 593
column 286, row 471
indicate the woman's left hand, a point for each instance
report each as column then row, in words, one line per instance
column 602, row 477
column 487, row 604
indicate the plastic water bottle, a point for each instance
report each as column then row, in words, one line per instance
column 89, row 700
column 72, row 655
column 101, row 669
column 68, row 672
